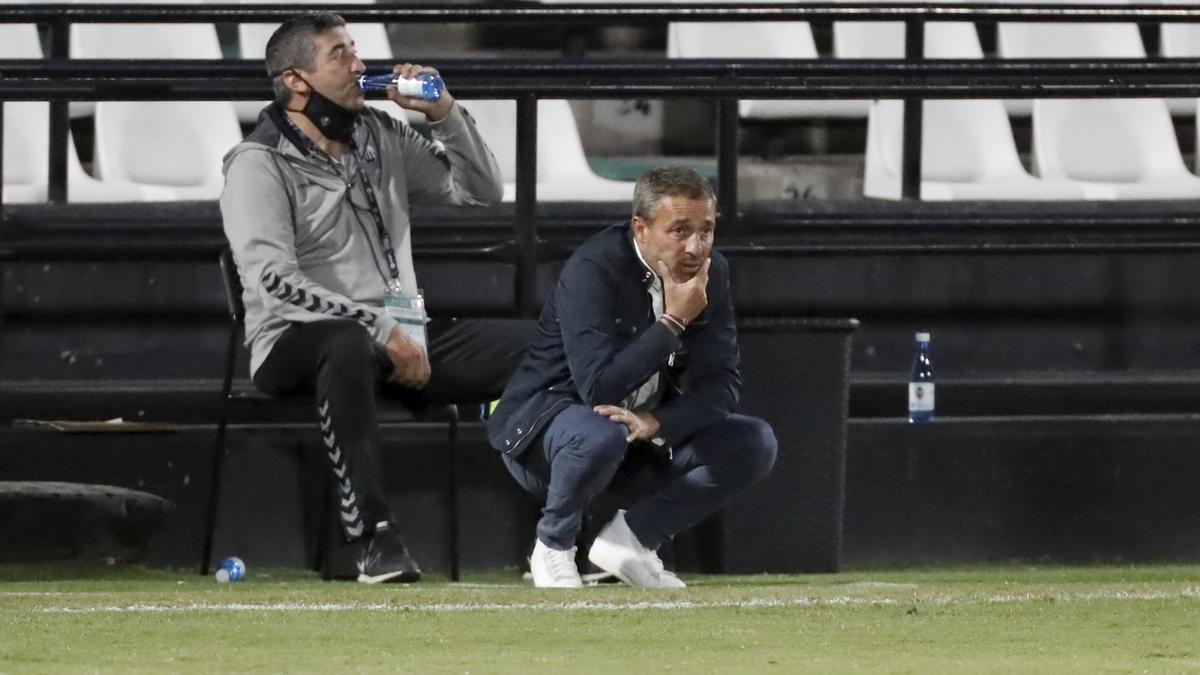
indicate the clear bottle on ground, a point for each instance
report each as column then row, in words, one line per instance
column 920, row 382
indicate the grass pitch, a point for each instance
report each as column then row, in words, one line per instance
column 977, row 619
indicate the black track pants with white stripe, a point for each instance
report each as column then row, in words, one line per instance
column 338, row 363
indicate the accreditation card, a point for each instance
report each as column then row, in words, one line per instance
column 409, row 312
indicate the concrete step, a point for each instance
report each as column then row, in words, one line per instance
column 872, row 395
column 883, row 395
column 1088, row 488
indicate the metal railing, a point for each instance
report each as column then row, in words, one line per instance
column 59, row 79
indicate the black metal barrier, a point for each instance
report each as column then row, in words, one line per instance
column 460, row 240
column 792, row 522
column 797, row 378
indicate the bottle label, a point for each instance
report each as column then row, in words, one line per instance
column 414, row 87
column 920, row 396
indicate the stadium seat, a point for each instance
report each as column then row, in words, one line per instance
column 1114, row 148
column 172, row 150
column 26, row 153
column 266, row 408
column 26, row 125
column 1027, row 40
column 1024, row 107
column 27, row 145
column 563, row 173
column 1122, row 149
column 770, row 40
column 885, row 40
column 83, row 109
column 27, row 160
column 1178, row 41
column 967, row 152
column 967, row 146
column 370, row 39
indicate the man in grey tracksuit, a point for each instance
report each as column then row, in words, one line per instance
column 316, row 210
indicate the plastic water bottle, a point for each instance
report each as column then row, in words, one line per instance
column 920, row 384
column 230, row 570
column 426, row 86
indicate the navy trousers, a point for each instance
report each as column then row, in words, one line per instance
column 582, row 454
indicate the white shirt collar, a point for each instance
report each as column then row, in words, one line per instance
column 656, row 280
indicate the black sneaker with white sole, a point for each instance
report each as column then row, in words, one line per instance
column 386, row 559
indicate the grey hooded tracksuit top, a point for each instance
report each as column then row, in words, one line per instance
column 300, row 226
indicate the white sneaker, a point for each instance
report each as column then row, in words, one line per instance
column 618, row 552
column 552, row 568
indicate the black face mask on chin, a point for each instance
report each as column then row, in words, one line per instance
column 334, row 121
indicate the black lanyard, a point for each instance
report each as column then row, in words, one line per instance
column 377, row 215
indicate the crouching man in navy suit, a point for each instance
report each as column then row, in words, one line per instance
column 630, row 386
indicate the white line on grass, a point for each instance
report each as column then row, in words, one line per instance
column 453, row 607
column 1189, row 593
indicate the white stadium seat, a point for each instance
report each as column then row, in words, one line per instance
column 967, row 152
column 171, row 149
column 27, row 140
column 1023, row 107
column 26, row 126
column 1113, row 148
column 967, row 146
column 563, row 173
column 774, row 40
column 1175, row 41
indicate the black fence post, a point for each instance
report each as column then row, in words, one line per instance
column 60, row 117
column 727, row 164
column 910, row 175
column 1, row 171
column 3, row 253
column 526, row 211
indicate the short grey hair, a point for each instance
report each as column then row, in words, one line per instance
column 293, row 45
column 672, row 181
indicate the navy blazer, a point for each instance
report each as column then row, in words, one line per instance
column 598, row 341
